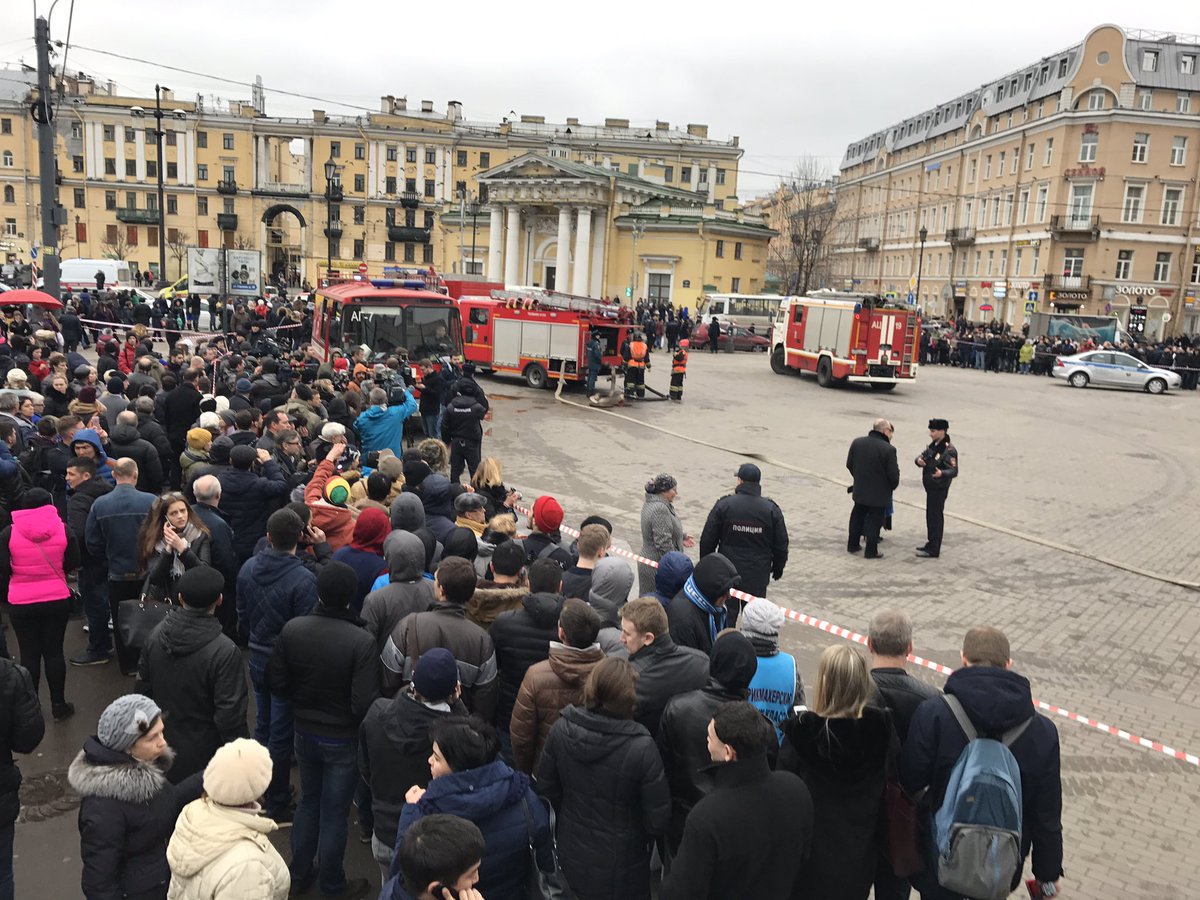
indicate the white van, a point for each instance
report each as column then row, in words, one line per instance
column 78, row 274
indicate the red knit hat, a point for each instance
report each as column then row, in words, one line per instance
column 370, row 530
column 547, row 514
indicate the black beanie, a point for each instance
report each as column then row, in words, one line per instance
column 242, row 456
column 733, row 661
column 200, row 586
column 336, row 584
column 715, row 575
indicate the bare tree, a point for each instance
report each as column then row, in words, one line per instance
column 118, row 249
column 802, row 211
column 178, row 245
column 240, row 242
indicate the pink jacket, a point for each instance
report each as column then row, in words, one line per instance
column 36, row 547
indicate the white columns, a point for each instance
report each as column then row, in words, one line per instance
column 495, row 244
column 583, row 251
column 512, row 250
column 562, row 261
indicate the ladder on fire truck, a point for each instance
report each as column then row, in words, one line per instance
column 537, row 298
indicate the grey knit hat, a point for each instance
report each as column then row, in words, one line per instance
column 761, row 618
column 125, row 721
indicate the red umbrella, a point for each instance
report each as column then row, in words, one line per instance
column 36, row 298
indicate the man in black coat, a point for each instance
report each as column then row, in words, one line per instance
column 196, row 675
column 680, row 743
column 246, row 496
column 872, row 463
column 462, row 427
column 748, row 529
column 125, row 441
column 764, row 855
column 21, row 730
column 995, row 700
column 207, row 489
column 698, row 613
column 664, row 669
column 522, row 637
column 939, row 465
column 327, row 665
column 181, row 409
column 86, row 487
column 150, row 430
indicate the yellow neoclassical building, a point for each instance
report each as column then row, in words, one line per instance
column 1067, row 184
column 649, row 210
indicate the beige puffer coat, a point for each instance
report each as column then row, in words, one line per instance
column 223, row 853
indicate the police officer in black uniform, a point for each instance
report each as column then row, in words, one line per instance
column 748, row 529
column 939, row 464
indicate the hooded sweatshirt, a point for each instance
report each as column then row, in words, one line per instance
column 364, row 553
column 693, row 614
column 223, row 851
column 612, row 580
column 439, row 512
column 674, row 569
column 406, row 590
column 88, row 435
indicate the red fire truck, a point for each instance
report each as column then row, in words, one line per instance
column 846, row 337
column 536, row 333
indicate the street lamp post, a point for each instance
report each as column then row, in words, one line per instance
column 473, row 209
column 160, row 165
column 922, row 234
column 330, row 175
column 639, row 228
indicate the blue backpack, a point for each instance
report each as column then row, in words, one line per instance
column 977, row 830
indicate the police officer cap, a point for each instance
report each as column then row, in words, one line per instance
column 751, row 473
column 939, row 425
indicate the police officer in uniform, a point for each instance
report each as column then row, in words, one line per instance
column 939, row 464
column 748, row 530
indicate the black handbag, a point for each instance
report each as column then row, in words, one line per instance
column 137, row 618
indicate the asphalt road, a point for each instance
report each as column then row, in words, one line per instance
column 1051, row 478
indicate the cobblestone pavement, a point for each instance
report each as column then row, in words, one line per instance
column 1108, row 472
column 1112, row 473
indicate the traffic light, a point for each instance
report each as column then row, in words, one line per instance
column 628, row 292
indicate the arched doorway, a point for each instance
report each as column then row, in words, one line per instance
column 284, row 240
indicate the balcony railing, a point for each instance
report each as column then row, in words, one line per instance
column 227, row 221
column 1076, row 226
column 1067, row 282
column 407, row 234
column 333, row 230
column 280, row 189
column 227, row 187
column 138, row 216
column 960, row 237
column 869, row 243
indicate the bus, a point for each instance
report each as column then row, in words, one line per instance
column 758, row 310
column 404, row 317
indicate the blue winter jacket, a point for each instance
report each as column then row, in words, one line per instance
column 491, row 797
column 112, row 528
column 382, row 427
column 272, row 589
column 674, row 569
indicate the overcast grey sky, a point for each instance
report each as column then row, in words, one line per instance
column 788, row 79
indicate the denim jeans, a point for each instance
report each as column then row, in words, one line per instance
column 272, row 729
column 328, row 777
column 94, row 587
column 429, row 423
column 6, row 862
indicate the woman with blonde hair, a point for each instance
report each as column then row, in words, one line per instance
column 489, row 484
column 172, row 539
column 840, row 748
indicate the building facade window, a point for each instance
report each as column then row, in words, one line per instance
column 1187, row 64
column 130, row 135
column 735, row 284
column 201, row 172
column 151, row 169
column 360, row 151
column 410, row 154
column 1162, row 266
column 427, row 253
column 1023, row 208
column 1141, row 147
column 1072, row 263
column 110, row 199
column 1172, row 201
column 172, row 205
column 485, row 160
column 110, row 132
column 410, row 185
column 227, row 141
column 202, row 206
column 110, row 166
column 1089, row 143
column 228, row 175
column 1178, row 150
column 1131, row 210
column 720, row 249
column 685, row 174
column 1196, row 268
column 358, row 248
column 1081, row 202
column 720, row 176
column 171, row 138
column 1145, row 100
column 1096, row 100
column 389, row 184
column 335, row 149
column 130, row 168
column 737, row 250
column 1049, row 156
column 430, row 187
column 460, row 158
column 173, row 170
column 10, row 195
column 1183, row 103
column 389, row 251
column 431, row 157
column 202, row 140
column 360, row 183
column 360, row 214
column 1149, row 60
column 987, row 166
column 668, row 174
column 410, row 252
column 1124, row 265
column 6, row 126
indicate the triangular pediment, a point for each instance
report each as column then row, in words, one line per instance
column 537, row 166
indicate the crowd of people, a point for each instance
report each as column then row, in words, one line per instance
column 997, row 348
column 493, row 708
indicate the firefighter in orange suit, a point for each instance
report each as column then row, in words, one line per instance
column 639, row 352
column 679, row 369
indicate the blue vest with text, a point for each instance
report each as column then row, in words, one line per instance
column 773, row 688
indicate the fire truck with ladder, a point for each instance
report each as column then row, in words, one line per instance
column 539, row 334
column 845, row 337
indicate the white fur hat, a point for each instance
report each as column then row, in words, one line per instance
column 238, row 773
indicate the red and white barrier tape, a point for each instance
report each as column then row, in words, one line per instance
column 849, row 635
column 182, row 332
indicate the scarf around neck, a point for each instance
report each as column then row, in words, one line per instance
column 190, row 533
column 716, row 614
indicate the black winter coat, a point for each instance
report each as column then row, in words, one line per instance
column 872, row 462
column 196, row 675
column 995, row 700
column 843, row 764
column 604, row 778
column 78, row 505
column 246, row 501
column 181, row 409
column 901, row 694
column 21, row 730
column 522, row 637
column 462, row 419
column 126, row 816
column 748, row 529
column 328, row 665
column 150, row 430
column 393, row 754
column 763, row 854
column 665, row 670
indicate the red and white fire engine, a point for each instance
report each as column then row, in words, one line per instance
column 539, row 334
column 846, row 337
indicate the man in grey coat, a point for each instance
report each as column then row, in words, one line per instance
column 872, row 463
